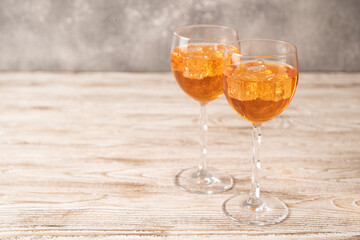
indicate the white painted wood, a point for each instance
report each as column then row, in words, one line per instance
column 92, row 155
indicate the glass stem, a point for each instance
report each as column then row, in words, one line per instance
column 254, row 198
column 203, row 132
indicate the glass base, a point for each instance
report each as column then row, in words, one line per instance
column 209, row 182
column 271, row 210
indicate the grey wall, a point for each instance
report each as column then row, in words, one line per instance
column 135, row 35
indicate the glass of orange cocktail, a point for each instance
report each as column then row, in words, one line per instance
column 260, row 80
column 197, row 55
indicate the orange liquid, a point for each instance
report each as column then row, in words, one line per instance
column 259, row 91
column 198, row 70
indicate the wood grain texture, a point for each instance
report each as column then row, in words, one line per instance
column 92, row 155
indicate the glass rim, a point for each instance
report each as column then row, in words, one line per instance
column 293, row 51
column 176, row 32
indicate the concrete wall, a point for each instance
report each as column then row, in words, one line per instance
column 135, row 35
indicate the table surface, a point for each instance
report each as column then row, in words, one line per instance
column 93, row 155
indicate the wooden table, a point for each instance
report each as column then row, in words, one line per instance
column 93, row 155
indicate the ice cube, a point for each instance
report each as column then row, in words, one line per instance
column 228, row 70
column 283, row 86
column 196, row 67
column 256, row 66
column 190, row 73
column 267, row 75
column 218, row 54
column 292, row 72
column 194, row 49
column 177, row 60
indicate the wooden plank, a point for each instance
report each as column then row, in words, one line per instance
column 92, row 155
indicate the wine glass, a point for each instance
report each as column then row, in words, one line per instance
column 260, row 80
column 197, row 54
